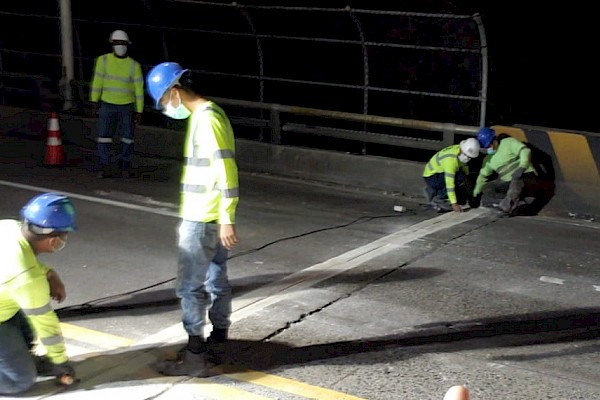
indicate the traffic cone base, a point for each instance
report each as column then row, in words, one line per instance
column 55, row 153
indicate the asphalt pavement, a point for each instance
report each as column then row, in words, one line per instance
column 337, row 296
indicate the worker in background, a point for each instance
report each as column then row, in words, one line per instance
column 209, row 198
column 508, row 160
column 27, row 287
column 446, row 176
column 117, row 92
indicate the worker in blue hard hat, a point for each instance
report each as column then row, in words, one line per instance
column 486, row 137
column 209, row 198
column 509, row 161
column 27, row 287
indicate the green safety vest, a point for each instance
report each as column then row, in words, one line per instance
column 209, row 182
column 510, row 155
column 24, row 286
column 446, row 162
column 118, row 81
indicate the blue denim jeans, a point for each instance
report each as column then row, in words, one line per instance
column 437, row 183
column 202, row 281
column 17, row 366
column 112, row 119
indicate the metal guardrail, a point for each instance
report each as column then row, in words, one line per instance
column 276, row 122
column 277, row 127
column 422, row 65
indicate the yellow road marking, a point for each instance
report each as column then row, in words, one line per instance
column 284, row 384
column 94, row 337
column 218, row 391
column 211, row 390
column 76, row 352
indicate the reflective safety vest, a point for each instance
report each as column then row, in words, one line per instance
column 24, row 286
column 118, row 81
column 510, row 155
column 209, row 182
column 446, row 162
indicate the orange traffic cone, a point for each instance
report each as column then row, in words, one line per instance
column 55, row 153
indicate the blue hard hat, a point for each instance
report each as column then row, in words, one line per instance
column 486, row 137
column 49, row 212
column 160, row 78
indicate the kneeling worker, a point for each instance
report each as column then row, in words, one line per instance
column 446, row 175
column 26, row 288
column 510, row 160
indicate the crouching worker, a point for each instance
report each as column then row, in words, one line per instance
column 26, row 288
column 507, row 167
column 446, row 176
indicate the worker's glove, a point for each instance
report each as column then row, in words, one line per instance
column 63, row 369
column 475, row 201
column 518, row 173
column 43, row 365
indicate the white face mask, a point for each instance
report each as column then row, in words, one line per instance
column 120, row 49
column 179, row 112
column 61, row 246
column 463, row 158
column 490, row 150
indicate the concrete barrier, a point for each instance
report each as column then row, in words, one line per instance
column 573, row 157
column 575, row 160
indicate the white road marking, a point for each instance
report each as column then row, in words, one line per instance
column 308, row 277
column 276, row 291
column 550, row 279
column 93, row 199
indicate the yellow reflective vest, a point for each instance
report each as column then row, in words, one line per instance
column 24, row 286
column 446, row 162
column 118, row 81
column 510, row 155
column 209, row 182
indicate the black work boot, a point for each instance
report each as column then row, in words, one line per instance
column 217, row 343
column 104, row 172
column 187, row 364
column 126, row 170
column 217, row 336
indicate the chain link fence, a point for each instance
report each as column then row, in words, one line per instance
column 399, row 64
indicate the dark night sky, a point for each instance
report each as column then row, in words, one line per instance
column 543, row 70
column 542, row 60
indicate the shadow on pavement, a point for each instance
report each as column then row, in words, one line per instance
column 451, row 336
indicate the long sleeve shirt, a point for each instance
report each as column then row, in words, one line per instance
column 446, row 162
column 510, row 155
column 209, row 183
column 118, row 81
column 24, row 286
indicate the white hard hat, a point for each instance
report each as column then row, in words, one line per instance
column 119, row 35
column 470, row 147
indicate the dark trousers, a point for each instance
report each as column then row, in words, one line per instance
column 115, row 119
column 437, row 183
column 17, row 365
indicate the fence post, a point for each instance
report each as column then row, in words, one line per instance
column 275, row 125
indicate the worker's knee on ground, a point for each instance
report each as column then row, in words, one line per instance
column 457, row 392
column 23, row 383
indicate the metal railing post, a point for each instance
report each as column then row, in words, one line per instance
column 275, row 123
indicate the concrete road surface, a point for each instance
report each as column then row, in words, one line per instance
column 336, row 295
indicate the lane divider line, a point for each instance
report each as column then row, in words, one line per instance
column 107, row 340
column 94, row 199
column 283, row 384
